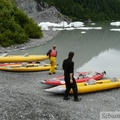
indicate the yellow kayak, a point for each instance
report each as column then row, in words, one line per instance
column 26, row 67
column 22, row 58
column 84, row 88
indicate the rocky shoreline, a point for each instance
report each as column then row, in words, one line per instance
column 22, row 97
column 47, row 36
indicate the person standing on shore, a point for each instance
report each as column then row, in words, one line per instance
column 52, row 53
column 68, row 67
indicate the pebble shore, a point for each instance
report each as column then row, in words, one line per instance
column 22, row 97
column 47, row 36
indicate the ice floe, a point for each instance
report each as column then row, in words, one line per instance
column 66, row 26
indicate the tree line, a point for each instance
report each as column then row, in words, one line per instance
column 15, row 26
column 82, row 10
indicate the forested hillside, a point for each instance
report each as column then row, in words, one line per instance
column 95, row 10
column 15, row 26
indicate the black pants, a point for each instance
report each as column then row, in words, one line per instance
column 70, row 86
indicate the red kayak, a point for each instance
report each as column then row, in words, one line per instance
column 80, row 77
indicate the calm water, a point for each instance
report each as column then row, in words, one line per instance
column 95, row 50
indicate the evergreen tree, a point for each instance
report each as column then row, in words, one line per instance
column 97, row 10
column 15, row 26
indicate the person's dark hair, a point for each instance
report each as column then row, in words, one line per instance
column 70, row 55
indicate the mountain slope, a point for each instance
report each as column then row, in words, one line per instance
column 41, row 12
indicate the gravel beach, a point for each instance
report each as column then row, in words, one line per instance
column 22, row 97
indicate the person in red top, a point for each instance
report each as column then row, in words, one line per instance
column 52, row 53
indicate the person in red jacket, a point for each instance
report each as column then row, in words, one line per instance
column 52, row 53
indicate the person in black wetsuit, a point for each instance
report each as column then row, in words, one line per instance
column 68, row 67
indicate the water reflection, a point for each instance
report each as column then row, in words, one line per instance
column 108, row 61
column 97, row 49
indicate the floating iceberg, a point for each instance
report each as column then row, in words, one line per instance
column 115, row 23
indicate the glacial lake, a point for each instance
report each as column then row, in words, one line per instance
column 95, row 49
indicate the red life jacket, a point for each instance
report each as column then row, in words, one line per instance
column 53, row 53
